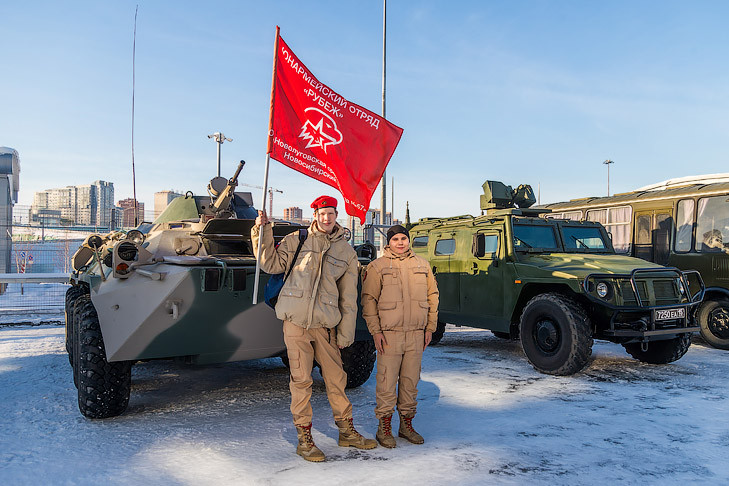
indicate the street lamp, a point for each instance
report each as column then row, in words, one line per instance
column 608, row 162
column 219, row 138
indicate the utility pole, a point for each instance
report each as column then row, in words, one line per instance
column 383, row 202
column 608, row 162
column 219, row 138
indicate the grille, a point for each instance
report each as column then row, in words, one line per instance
column 665, row 291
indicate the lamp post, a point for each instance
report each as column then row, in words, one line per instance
column 608, row 162
column 219, row 138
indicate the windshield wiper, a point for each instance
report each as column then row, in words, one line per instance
column 579, row 242
column 523, row 242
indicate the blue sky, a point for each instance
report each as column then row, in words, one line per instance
column 537, row 92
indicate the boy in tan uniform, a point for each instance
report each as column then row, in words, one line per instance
column 318, row 304
column 400, row 305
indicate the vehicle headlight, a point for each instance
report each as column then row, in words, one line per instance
column 136, row 236
column 679, row 284
column 602, row 290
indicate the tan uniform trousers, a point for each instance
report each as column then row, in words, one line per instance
column 399, row 367
column 303, row 347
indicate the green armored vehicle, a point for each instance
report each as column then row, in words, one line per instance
column 555, row 284
column 180, row 288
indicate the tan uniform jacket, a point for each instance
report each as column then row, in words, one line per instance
column 321, row 290
column 399, row 293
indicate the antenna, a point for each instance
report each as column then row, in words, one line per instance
column 134, row 175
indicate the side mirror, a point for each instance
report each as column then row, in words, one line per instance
column 478, row 246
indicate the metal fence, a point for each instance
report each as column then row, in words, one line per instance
column 30, row 254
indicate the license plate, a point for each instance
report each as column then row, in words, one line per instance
column 669, row 314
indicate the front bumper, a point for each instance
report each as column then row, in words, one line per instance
column 638, row 323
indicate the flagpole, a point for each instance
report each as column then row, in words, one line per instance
column 265, row 172
column 383, row 192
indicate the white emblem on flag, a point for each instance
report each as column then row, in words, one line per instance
column 320, row 130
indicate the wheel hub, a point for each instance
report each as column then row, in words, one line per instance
column 546, row 336
column 719, row 322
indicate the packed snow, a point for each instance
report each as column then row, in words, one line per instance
column 487, row 417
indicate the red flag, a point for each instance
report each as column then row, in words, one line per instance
column 317, row 132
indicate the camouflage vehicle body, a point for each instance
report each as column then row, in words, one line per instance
column 490, row 277
column 665, row 224
column 181, row 288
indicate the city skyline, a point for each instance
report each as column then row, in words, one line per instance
column 539, row 93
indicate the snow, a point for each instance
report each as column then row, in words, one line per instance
column 486, row 414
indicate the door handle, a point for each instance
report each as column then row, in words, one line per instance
column 474, row 268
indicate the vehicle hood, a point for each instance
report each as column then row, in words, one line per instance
column 577, row 265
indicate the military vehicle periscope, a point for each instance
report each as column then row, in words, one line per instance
column 180, row 287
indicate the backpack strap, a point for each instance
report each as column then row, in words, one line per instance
column 303, row 234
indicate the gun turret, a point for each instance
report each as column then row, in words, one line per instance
column 225, row 195
column 497, row 195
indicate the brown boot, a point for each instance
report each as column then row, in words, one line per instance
column 306, row 448
column 384, row 433
column 407, row 431
column 349, row 437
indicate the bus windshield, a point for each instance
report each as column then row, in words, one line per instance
column 582, row 238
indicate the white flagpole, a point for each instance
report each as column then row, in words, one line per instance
column 265, row 172
column 260, row 234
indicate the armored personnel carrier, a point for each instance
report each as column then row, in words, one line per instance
column 554, row 284
column 178, row 288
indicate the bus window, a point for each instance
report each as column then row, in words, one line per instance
column 617, row 223
column 684, row 225
column 643, row 242
column 712, row 224
column 597, row 215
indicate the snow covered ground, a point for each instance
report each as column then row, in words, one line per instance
column 487, row 417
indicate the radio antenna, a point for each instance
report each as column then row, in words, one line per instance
column 134, row 177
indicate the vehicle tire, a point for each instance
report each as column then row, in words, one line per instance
column 358, row 360
column 556, row 334
column 103, row 387
column 713, row 317
column 502, row 335
column 73, row 293
column 438, row 334
column 661, row 352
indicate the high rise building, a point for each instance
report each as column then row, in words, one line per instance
column 127, row 208
column 88, row 205
column 294, row 214
column 104, row 203
column 162, row 199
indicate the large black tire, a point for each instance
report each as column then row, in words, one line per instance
column 438, row 334
column 358, row 360
column 661, row 352
column 73, row 293
column 556, row 334
column 103, row 387
column 713, row 317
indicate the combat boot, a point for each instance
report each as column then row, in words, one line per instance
column 306, row 448
column 407, row 431
column 349, row 437
column 384, row 433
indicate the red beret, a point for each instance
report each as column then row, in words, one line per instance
column 324, row 202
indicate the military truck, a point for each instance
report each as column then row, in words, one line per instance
column 179, row 288
column 554, row 284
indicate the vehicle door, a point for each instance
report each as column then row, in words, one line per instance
column 482, row 282
column 653, row 229
column 444, row 264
